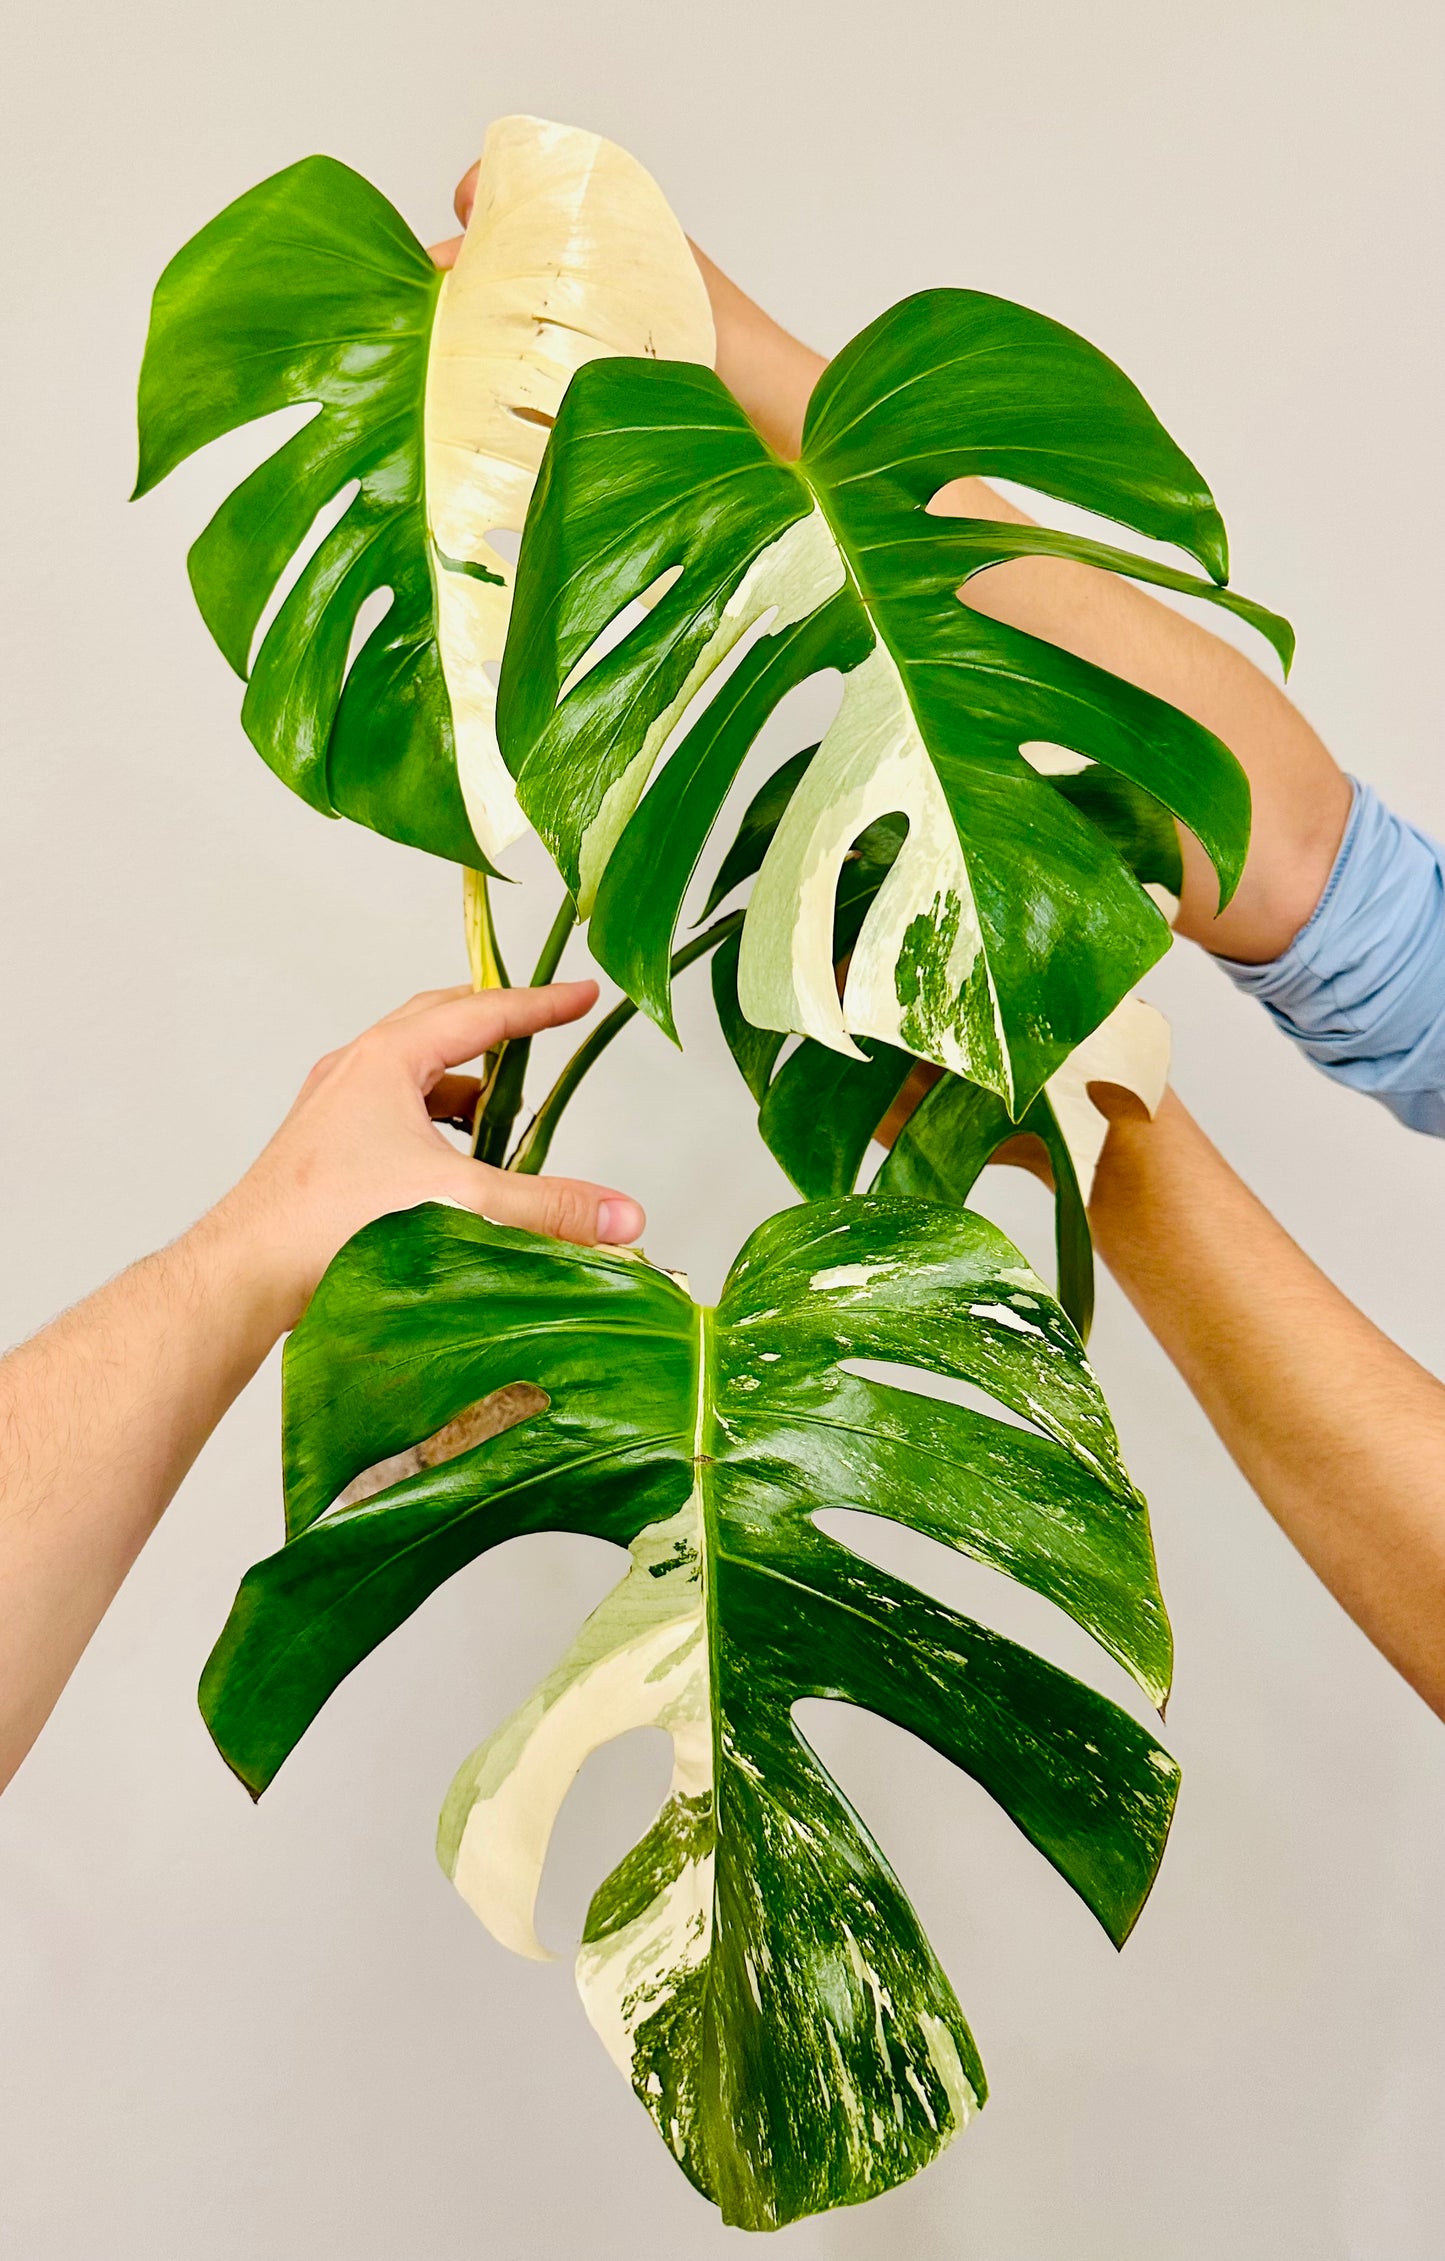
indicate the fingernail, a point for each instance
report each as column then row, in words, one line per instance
column 619, row 1220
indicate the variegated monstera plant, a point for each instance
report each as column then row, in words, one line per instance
column 928, row 885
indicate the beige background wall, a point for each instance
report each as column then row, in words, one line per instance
column 237, row 2035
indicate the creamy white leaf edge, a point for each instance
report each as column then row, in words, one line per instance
column 1131, row 1048
column 570, row 253
column 790, row 579
column 872, row 762
column 640, row 1661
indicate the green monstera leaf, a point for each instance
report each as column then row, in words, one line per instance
column 1008, row 928
column 434, row 398
column 958, row 1128
column 819, row 1111
column 753, row 1964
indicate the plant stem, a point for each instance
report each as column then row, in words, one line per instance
column 484, row 959
column 483, row 956
column 501, row 1098
column 558, row 936
column 532, row 1147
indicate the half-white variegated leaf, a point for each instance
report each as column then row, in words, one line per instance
column 434, row 398
column 753, row 1964
column 1009, row 926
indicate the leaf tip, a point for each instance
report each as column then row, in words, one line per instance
column 148, row 473
column 659, row 1012
column 1212, row 544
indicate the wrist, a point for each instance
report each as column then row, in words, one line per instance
column 237, row 1258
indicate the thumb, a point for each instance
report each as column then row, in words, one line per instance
column 562, row 1208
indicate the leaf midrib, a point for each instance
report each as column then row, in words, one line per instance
column 901, row 667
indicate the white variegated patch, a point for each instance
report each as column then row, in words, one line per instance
column 1131, row 1048
column 571, row 252
column 943, row 2052
column 626, row 1978
column 639, row 1661
column 791, row 578
column 872, row 763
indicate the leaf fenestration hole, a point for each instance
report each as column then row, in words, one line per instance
column 327, row 519
column 370, row 615
column 533, row 416
column 503, row 1409
column 612, row 1802
column 801, row 718
column 922, row 1382
column 866, row 864
column 619, row 628
column 1053, row 515
column 985, row 1593
column 504, row 541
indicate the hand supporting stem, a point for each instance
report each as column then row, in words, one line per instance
column 103, row 1411
column 506, row 1077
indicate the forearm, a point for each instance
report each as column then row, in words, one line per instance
column 1301, row 797
column 101, row 1415
column 1340, row 1433
column 104, row 1411
column 770, row 372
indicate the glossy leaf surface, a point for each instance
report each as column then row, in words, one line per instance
column 1009, row 928
column 955, row 1133
column 753, row 1964
column 818, row 1113
column 434, row 396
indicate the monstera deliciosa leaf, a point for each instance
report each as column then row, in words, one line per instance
column 819, row 1111
column 1008, row 927
column 434, row 395
column 958, row 1128
column 753, row 1964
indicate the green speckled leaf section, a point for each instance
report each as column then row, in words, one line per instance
column 753, row 1964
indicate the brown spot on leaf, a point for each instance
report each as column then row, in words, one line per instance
column 504, row 1409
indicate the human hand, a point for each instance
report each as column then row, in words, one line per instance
column 361, row 1140
column 445, row 254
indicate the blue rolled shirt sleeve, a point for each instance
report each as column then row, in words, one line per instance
column 1361, row 989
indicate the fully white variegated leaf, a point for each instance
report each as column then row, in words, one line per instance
column 570, row 252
